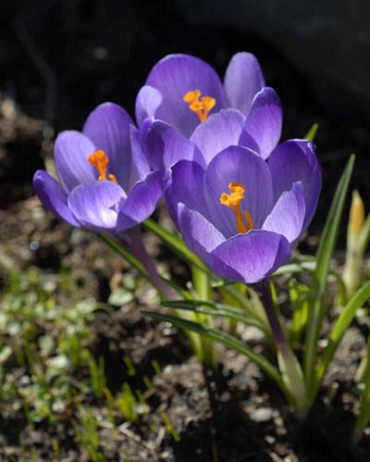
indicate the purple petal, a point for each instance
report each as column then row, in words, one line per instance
column 199, row 234
column 141, row 202
column 293, row 161
column 184, row 184
column 254, row 256
column 96, row 205
column 164, row 146
column 287, row 216
column 140, row 166
column 72, row 149
column 53, row 196
column 243, row 80
column 108, row 127
column 262, row 129
column 238, row 165
column 218, row 132
column 174, row 76
column 148, row 101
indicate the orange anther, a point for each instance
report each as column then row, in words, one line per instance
column 201, row 106
column 244, row 221
column 100, row 160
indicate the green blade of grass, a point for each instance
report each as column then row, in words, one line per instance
column 176, row 244
column 324, row 253
column 227, row 340
column 311, row 134
column 218, row 310
column 126, row 254
column 339, row 329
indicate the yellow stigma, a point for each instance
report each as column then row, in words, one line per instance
column 100, row 160
column 201, row 106
column 244, row 221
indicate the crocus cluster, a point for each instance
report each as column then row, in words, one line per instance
column 239, row 199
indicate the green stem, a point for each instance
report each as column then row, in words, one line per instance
column 133, row 250
column 202, row 286
column 289, row 366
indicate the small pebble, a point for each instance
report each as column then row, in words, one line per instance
column 264, row 414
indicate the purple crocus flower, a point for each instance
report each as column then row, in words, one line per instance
column 184, row 91
column 242, row 214
column 106, row 185
column 177, row 125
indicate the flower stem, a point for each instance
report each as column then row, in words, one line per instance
column 289, row 366
column 136, row 247
column 205, row 350
column 263, row 290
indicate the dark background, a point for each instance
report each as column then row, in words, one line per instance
column 61, row 58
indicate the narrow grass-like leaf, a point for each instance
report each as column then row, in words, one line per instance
column 126, row 254
column 317, row 296
column 218, row 310
column 227, row 340
column 176, row 244
column 339, row 329
column 311, row 134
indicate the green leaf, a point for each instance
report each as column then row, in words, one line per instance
column 309, row 266
column 126, row 254
column 324, row 253
column 176, row 244
column 311, row 134
column 340, row 327
column 227, row 340
column 218, row 310
column 293, row 268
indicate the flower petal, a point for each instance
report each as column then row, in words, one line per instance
column 72, row 149
column 141, row 202
column 184, row 184
column 148, row 101
column 292, row 161
column 108, row 127
column 254, row 256
column 243, row 80
column 140, row 168
column 96, row 205
column 53, row 196
column 264, row 122
column 198, row 233
column 287, row 216
column 238, row 165
column 174, row 76
column 219, row 131
column 165, row 146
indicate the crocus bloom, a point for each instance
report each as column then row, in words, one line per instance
column 184, row 91
column 242, row 214
column 106, row 184
column 260, row 131
column 179, row 124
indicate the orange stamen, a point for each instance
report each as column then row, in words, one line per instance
column 100, row 160
column 244, row 222
column 201, row 106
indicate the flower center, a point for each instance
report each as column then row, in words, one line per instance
column 244, row 221
column 100, row 160
column 201, row 106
